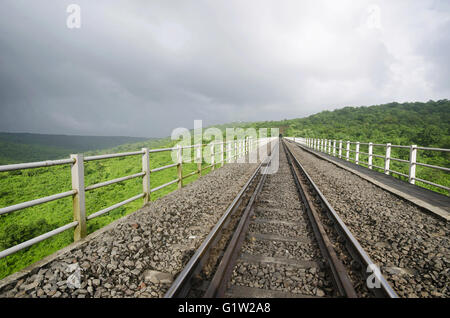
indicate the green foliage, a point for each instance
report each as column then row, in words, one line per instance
column 24, row 185
column 423, row 124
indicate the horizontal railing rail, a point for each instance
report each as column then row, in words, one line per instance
column 234, row 149
column 342, row 149
column 39, row 164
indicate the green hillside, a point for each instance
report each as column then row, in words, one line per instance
column 24, row 185
column 423, row 124
column 25, row 147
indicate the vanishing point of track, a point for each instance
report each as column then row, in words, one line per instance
column 278, row 238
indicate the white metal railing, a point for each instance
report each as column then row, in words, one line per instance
column 234, row 149
column 336, row 148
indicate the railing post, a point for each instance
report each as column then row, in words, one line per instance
column 79, row 198
column 222, row 161
column 347, row 155
column 412, row 164
column 235, row 151
column 370, row 155
column 257, row 149
column 387, row 160
column 246, row 145
column 357, row 153
column 340, row 149
column 212, row 156
column 199, row 160
column 146, row 176
column 321, row 145
column 329, row 146
column 334, row 148
column 180, row 167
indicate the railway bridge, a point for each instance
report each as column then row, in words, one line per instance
column 327, row 221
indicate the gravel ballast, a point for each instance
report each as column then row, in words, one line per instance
column 281, row 244
column 411, row 247
column 143, row 252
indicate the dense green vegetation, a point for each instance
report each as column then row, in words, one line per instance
column 24, row 147
column 24, row 185
column 423, row 124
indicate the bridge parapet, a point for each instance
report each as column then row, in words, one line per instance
column 331, row 147
column 228, row 151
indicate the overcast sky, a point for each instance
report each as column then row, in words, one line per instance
column 142, row 68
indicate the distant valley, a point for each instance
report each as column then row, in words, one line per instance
column 28, row 147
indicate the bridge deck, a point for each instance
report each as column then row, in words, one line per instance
column 433, row 202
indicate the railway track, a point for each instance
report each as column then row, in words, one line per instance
column 279, row 238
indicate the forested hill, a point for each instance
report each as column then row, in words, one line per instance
column 26, row 147
column 424, row 124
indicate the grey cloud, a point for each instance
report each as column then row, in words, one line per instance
column 143, row 68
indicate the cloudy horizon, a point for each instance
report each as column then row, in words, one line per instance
column 142, row 68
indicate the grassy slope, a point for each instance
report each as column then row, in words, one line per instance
column 24, row 185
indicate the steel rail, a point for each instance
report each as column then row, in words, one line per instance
column 385, row 289
column 341, row 279
column 217, row 286
column 180, row 287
